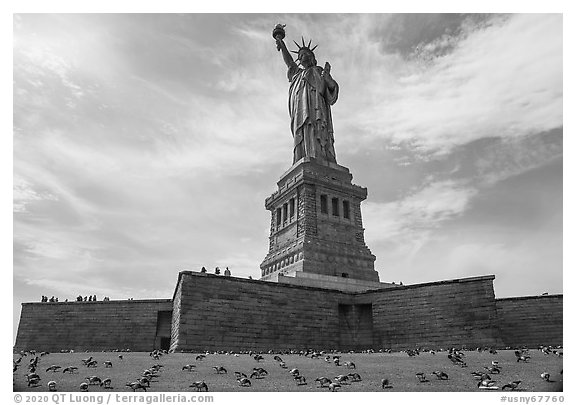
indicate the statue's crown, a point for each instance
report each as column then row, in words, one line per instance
column 304, row 47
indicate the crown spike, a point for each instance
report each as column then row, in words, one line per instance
column 312, row 50
column 296, row 52
column 303, row 43
column 297, row 44
column 309, row 42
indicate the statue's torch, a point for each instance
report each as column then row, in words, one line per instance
column 278, row 33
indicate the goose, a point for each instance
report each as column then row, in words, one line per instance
column 278, row 359
column 323, row 380
column 51, row 385
column 53, row 368
column 512, row 385
column 240, row 375
column 188, row 367
column 283, row 365
column 144, row 381
column 487, row 385
column 34, row 381
column 199, row 385
column 106, row 383
column 355, row 377
column 93, row 380
column 107, row 364
column 200, row 357
column 257, row 374
column 136, row 385
column 92, row 363
column 84, row 386
column 260, row 370
column 334, row 386
column 341, row 379
column 300, row 379
column 70, row 369
column 422, row 377
column 545, row 376
column 86, row 361
column 220, row 369
column 295, row 372
column 350, row 364
column 386, row 384
column 441, row 375
column 244, row 382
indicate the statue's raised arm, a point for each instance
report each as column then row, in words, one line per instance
column 312, row 92
column 279, row 34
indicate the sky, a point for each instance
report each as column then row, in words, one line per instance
column 146, row 144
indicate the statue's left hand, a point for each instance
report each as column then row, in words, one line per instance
column 326, row 69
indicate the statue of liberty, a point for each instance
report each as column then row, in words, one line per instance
column 312, row 92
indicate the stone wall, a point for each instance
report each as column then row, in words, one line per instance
column 210, row 312
column 99, row 325
column 228, row 313
column 223, row 313
column 531, row 321
column 442, row 314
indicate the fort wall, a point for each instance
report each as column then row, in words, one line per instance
column 137, row 325
column 209, row 312
column 531, row 321
column 228, row 313
column 443, row 314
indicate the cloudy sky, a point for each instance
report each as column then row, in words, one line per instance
column 146, row 144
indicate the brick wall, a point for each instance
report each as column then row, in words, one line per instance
column 227, row 313
column 223, row 313
column 100, row 325
column 435, row 315
column 531, row 321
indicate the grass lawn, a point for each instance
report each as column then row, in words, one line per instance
column 398, row 368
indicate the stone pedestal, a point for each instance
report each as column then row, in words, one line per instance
column 316, row 224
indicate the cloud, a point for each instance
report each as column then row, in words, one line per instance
column 24, row 194
column 417, row 213
column 504, row 158
column 502, row 79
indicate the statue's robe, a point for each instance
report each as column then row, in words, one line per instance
column 311, row 120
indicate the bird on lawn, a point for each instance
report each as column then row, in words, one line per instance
column 421, row 377
column 244, row 382
column 487, row 385
column 323, row 380
column 513, row 385
column 300, row 379
column 386, row 384
column 220, row 369
column 334, row 387
column 441, row 375
column 545, row 376
column 355, row 377
column 200, row 385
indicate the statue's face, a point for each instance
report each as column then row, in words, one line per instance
column 306, row 58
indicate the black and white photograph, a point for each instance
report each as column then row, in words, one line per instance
column 211, row 203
